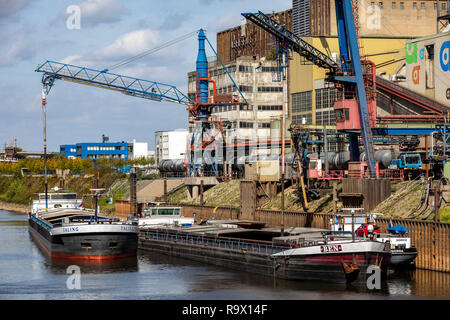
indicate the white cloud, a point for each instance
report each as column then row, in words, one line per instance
column 131, row 44
column 94, row 12
column 75, row 59
column 226, row 22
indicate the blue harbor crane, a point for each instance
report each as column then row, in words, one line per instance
column 354, row 78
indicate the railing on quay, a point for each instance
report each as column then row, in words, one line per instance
column 224, row 243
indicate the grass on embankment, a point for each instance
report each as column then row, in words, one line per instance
column 227, row 194
column 20, row 190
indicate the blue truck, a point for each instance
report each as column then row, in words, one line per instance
column 410, row 162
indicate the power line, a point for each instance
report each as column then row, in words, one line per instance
column 153, row 50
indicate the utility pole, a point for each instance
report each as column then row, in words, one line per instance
column 44, row 115
column 283, row 138
column 95, row 199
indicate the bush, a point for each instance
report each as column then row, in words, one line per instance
column 17, row 192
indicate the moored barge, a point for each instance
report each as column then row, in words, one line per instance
column 320, row 259
column 62, row 228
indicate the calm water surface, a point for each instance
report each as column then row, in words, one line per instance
column 25, row 274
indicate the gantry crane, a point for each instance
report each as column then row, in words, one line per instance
column 206, row 130
column 355, row 79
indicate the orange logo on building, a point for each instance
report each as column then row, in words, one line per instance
column 415, row 74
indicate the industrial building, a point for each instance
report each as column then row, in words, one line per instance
column 384, row 28
column 312, row 97
column 253, row 75
column 110, row 150
column 170, row 145
column 401, row 18
column 96, row 150
column 427, row 67
column 249, row 40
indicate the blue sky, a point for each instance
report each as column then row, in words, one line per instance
column 33, row 31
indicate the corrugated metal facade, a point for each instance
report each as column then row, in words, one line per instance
column 301, row 17
column 249, row 39
column 311, row 17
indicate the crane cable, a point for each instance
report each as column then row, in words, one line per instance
column 153, row 50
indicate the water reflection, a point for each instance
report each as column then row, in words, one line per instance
column 14, row 223
column 205, row 278
column 59, row 266
column 432, row 284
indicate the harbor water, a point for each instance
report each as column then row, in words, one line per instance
column 27, row 274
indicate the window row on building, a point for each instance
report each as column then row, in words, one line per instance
column 223, row 90
column 325, row 118
column 270, row 89
column 221, row 71
column 325, row 98
column 268, row 69
column 105, row 156
column 105, row 148
column 246, row 88
column 401, row 5
column 243, row 68
column 302, row 102
column 270, row 108
column 302, row 118
column 244, row 124
column 249, row 125
column 247, row 107
column 226, row 108
column 233, row 68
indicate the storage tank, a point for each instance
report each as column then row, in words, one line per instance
column 178, row 165
column 330, row 157
column 383, row 157
column 165, row 165
column 240, row 163
column 340, row 160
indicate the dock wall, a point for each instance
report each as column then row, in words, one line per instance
column 432, row 239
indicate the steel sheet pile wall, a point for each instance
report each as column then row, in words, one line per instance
column 432, row 284
column 123, row 209
column 207, row 212
column 364, row 193
column 431, row 239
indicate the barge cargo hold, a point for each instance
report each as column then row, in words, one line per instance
column 316, row 259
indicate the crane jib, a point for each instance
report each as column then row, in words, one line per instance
column 128, row 85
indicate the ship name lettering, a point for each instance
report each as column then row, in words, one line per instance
column 331, row 248
column 70, row 229
column 126, row 228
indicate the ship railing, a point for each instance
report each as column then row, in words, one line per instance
column 232, row 244
column 43, row 223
